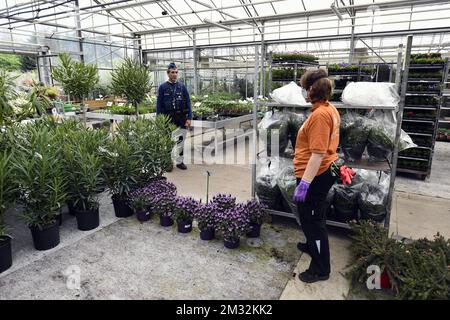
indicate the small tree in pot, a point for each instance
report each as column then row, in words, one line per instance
column 185, row 210
column 207, row 221
column 7, row 192
column 76, row 77
column 132, row 81
column 41, row 184
column 256, row 213
column 122, row 169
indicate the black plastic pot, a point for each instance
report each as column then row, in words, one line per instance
column 374, row 216
column 231, row 244
column 71, row 208
column 5, row 253
column 87, row 220
column 377, row 154
column 354, row 152
column 121, row 207
column 165, row 221
column 255, row 231
column 143, row 216
column 60, row 219
column 346, row 215
column 45, row 238
column 207, row 234
column 184, row 226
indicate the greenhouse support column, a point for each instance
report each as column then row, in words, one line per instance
column 195, row 52
column 399, row 115
column 79, row 32
column 398, row 74
column 255, row 120
column 137, row 44
column 263, row 55
column 352, row 39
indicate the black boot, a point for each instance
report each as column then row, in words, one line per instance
column 181, row 166
column 309, row 277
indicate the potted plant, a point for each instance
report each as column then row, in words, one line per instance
column 7, row 191
column 256, row 213
column 122, row 169
column 76, row 77
column 132, row 81
column 140, row 202
column 206, row 220
column 185, row 210
column 233, row 223
column 41, row 184
column 162, row 200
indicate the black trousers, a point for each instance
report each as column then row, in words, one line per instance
column 312, row 216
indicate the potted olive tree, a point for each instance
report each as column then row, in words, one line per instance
column 185, row 209
column 122, row 170
column 76, row 77
column 132, row 81
column 7, row 191
column 41, row 184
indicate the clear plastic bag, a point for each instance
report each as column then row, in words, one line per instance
column 372, row 201
column 354, row 133
column 273, row 130
column 370, row 94
column 287, row 182
column 289, row 94
column 295, row 122
column 382, row 136
column 266, row 186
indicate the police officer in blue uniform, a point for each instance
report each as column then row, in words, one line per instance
column 173, row 101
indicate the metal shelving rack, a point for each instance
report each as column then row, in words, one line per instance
column 364, row 163
column 293, row 64
column 422, row 157
column 444, row 120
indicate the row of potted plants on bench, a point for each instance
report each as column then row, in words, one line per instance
column 46, row 164
column 222, row 214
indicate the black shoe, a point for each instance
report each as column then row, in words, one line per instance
column 309, row 277
column 303, row 247
column 181, row 166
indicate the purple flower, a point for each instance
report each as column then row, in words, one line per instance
column 255, row 210
column 233, row 222
column 185, row 208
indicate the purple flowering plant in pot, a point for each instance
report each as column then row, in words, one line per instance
column 223, row 201
column 256, row 213
column 206, row 216
column 140, row 201
column 163, row 200
column 233, row 224
column 185, row 208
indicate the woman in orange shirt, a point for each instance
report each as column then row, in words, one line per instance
column 315, row 151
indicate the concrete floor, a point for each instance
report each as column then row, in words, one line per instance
column 124, row 259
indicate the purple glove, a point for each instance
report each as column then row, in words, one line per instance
column 301, row 191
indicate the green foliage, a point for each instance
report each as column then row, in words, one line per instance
column 7, row 93
column 39, row 173
column 295, row 57
column 132, row 81
column 76, row 77
column 7, row 188
column 128, row 110
column 417, row 270
column 202, row 112
column 9, row 62
column 81, row 159
column 27, row 63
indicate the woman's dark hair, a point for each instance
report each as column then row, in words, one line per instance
column 318, row 83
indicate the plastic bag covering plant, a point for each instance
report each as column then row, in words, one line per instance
column 233, row 222
column 7, row 188
column 206, row 216
column 255, row 210
column 416, row 269
column 372, row 199
column 185, row 208
column 273, row 130
column 287, row 182
column 7, row 93
column 132, row 81
column 40, row 176
column 76, row 77
column 82, row 160
column 266, row 186
column 353, row 135
column 151, row 144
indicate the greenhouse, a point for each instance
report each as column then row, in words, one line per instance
column 248, row 150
